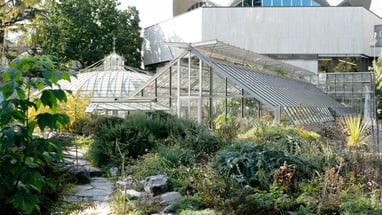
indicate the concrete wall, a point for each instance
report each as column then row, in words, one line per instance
column 323, row 31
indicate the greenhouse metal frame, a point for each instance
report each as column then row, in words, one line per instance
column 212, row 78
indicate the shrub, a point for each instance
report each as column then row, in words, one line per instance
column 203, row 182
column 254, row 163
column 190, row 203
column 226, row 127
column 176, row 155
column 148, row 165
column 26, row 162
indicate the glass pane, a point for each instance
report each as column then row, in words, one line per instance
column 267, row 2
column 287, row 2
column 218, row 85
column 296, row 3
column 306, row 2
column 276, row 2
column 206, row 81
column 184, row 81
column 234, row 107
column 194, row 82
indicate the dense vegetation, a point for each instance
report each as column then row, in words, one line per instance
column 31, row 175
column 266, row 169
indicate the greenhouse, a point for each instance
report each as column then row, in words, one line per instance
column 212, row 78
column 105, row 83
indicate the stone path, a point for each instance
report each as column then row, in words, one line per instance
column 98, row 191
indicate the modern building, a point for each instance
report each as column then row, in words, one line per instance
column 306, row 33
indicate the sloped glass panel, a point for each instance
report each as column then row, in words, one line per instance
column 233, row 90
column 163, row 84
column 194, row 82
column 218, row 85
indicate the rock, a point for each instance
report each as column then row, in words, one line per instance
column 132, row 193
column 156, row 185
column 170, row 197
column 167, row 209
column 113, row 171
column 94, row 171
column 121, row 184
column 79, row 175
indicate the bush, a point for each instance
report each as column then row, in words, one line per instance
column 148, row 165
column 139, row 134
column 28, row 163
column 254, row 163
column 188, row 204
column 176, row 155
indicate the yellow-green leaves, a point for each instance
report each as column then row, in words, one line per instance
column 356, row 129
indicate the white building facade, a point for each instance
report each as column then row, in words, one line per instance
column 317, row 38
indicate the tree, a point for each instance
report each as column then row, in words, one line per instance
column 14, row 13
column 24, row 157
column 84, row 31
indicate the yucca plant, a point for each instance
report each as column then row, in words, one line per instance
column 357, row 130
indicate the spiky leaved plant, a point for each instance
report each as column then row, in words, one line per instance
column 357, row 130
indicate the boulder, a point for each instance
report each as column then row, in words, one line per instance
column 170, row 197
column 132, row 193
column 156, row 185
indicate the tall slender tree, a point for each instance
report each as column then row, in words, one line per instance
column 84, row 30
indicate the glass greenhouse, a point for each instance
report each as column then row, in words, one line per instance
column 212, row 78
column 107, row 83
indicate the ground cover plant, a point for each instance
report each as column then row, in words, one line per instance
column 266, row 169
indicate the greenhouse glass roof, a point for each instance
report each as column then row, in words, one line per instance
column 213, row 78
column 106, row 82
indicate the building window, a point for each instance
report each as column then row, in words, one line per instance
column 276, row 3
column 197, row 5
column 267, row 2
column 287, row 3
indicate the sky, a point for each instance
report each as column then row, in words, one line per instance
column 155, row 11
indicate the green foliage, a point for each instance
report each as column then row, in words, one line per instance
column 226, row 127
column 378, row 84
column 255, row 163
column 138, row 134
column 13, row 15
column 25, row 158
column 188, row 204
column 86, row 30
column 85, row 126
column 205, row 183
column 254, row 201
column 148, row 165
column 176, row 155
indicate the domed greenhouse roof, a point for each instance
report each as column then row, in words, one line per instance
column 110, row 79
column 107, row 83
